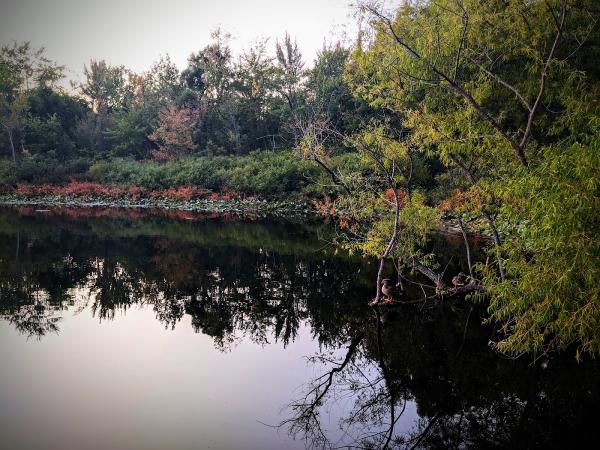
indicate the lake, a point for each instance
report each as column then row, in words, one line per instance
column 132, row 329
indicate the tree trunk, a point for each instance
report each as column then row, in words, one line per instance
column 467, row 248
column 391, row 244
column 12, row 145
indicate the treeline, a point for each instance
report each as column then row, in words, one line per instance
column 219, row 105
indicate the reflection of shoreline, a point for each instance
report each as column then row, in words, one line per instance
column 277, row 234
column 93, row 210
column 226, row 274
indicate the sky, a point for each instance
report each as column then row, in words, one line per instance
column 135, row 33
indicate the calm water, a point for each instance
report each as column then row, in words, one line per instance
column 179, row 331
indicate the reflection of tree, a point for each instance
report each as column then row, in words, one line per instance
column 27, row 308
column 112, row 287
column 432, row 356
column 378, row 401
column 229, row 291
column 31, row 298
column 465, row 396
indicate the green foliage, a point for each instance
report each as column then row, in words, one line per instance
column 129, row 133
column 502, row 102
column 47, row 136
column 551, row 297
column 262, row 173
column 42, row 169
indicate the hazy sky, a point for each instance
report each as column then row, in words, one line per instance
column 135, row 32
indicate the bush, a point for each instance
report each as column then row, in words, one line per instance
column 41, row 170
column 261, row 173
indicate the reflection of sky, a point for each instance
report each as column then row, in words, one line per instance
column 129, row 383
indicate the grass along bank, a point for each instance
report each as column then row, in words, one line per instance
column 190, row 198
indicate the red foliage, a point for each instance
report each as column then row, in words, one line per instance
column 33, row 190
column 325, row 207
column 86, row 189
column 136, row 192
column 74, row 189
column 389, row 195
column 225, row 196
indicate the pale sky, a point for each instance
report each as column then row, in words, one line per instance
column 136, row 32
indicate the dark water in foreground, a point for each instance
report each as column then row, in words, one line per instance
column 198, row 332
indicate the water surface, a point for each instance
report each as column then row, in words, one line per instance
column 124, row 329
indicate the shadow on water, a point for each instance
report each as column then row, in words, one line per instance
column 411, row 376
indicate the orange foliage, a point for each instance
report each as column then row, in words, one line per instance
column 325, row 207
column 174, row 134
column 454, row 202
column 389, row 195
column 85, row 189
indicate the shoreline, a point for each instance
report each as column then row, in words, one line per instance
column 235, row 207
column 262, row 208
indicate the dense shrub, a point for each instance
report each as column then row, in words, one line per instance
column 41, row 170
column 262, row 173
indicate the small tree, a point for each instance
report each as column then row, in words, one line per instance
column 174, row 134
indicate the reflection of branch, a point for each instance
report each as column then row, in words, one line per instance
column 388, row 383
column 424, row 433
column 306, row 412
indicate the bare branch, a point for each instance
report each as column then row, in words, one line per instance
column 543, row 75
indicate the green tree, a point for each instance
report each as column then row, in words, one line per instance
column 329, row 93
column 502, row 95
column 22, row 69
column 291, row 71
column 258, row 104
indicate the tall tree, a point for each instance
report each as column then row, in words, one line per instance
column 257, row 100
column 496, row 91
column 22, row 68
column 291, row 71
